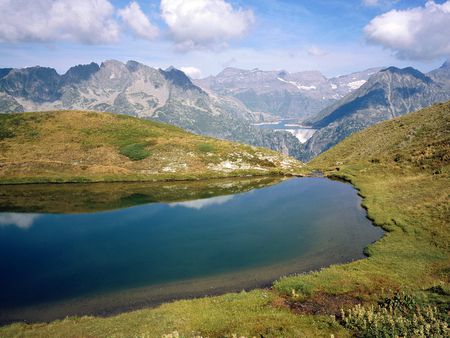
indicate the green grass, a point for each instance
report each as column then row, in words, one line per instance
column 243, row 314
column 401, row 168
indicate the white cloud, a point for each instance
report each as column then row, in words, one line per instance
column 316, row 51
column 192, row 72
column 203, row 203
column 22, row 221
column 418, row 33
column 133, row 16
column 87, row 21
column 203, row 23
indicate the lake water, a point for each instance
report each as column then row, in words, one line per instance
column 97, row 262
column 301, row 132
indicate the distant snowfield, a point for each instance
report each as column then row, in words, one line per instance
column 266, row 123
column 356, row 84
column 298, row 85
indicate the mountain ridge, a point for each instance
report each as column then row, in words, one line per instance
column 138, row 90
column 283, row 94
column 390, row 93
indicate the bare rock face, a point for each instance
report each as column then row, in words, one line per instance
column 442, row 74
column 9, row 105
column 39, row 84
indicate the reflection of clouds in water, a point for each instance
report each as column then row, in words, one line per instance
column 203, row 203
column 22, row 221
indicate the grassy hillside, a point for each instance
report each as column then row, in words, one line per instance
column 401, row 168
column 76, row 146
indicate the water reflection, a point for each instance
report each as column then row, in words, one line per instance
column 203, row 203
column 22, row 221
column 85, row 198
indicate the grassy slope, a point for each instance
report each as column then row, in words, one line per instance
column 75, row 146
column 402, row 169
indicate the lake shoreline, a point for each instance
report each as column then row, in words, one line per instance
column 106, row 305
column 181, row 179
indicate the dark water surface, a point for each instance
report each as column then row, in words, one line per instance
column 54, row 265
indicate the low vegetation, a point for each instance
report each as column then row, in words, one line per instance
column 135, row 151
column 399, row 316
column 401, row 168
column 77, row 146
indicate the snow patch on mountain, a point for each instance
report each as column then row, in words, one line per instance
column 356, row 84
column 298, row 85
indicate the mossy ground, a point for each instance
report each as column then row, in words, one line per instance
column 401, row 168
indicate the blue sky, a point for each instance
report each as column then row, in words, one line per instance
column 327, row 35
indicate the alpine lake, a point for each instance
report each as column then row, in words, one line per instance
column 105, row 248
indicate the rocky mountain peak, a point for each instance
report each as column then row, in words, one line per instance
column 178, row 78
column 442, row 74
column 33, row 83
column 4, row 72
column 80, row 73
column 231, row 71
column 408, row 71
column 112, row 75
column 133, row 66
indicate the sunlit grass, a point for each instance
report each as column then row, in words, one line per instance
column 78, row 146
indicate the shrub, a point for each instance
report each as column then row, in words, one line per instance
column 399, row 316
column 206, row 148
column 135, row 151
column 6, row 133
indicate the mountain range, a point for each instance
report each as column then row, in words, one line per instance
column 138, row 90
column 280, row 94
column 390, row 93
column 228, row 105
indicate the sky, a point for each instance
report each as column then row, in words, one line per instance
column 202, row 37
